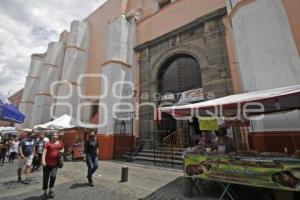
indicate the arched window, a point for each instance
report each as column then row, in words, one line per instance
column 178, row 74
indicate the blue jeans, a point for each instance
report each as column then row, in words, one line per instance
column 92, row 164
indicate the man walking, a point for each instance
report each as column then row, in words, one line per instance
column 26, row 153
column 39, row 147
column 91, row 151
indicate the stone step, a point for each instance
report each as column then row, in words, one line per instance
column 160, row 155
column 157, row 159
column 157, row 151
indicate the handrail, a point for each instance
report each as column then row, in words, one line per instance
column 173, row 140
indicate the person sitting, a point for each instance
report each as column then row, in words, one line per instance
column 223, row 143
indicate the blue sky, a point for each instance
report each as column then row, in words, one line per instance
column 26, row 27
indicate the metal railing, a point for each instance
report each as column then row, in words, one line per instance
column 170, row 146
column 175, row 139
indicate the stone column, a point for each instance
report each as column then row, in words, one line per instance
column 51, row 72
column 75, row 64
column 30, row 89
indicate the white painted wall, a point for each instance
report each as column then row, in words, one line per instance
column 31, row 88
column 75, row 64
column 267, row 55
column 121, row 40
column 265, row 46
column 51, row 72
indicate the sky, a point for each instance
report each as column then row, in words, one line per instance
column 26, row 27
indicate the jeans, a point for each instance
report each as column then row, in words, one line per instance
column 12, row 156
column 92, row 164
column 49, row 172
column 37, row 161
column 3, row 154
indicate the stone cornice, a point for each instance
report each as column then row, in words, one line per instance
column 43, row 94
column 115, row 61
column 27, row 102
column 32, row 77
column 50, row 65
column 74, row 47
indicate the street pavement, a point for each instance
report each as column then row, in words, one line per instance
column 144, row 183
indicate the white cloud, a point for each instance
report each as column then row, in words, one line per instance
column 26, row 27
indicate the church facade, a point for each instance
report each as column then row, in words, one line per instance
column 128, row 57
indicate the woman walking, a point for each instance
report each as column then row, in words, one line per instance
column 5, row 147
column 50, row 157
column 91, row 151
column 14, row 145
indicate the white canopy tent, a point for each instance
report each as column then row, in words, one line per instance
column 65, row 122
column 8, row 130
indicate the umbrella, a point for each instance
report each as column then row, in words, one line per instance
column 9, row 112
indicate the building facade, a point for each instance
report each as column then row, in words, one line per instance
column 266, row 35
column 130, row 56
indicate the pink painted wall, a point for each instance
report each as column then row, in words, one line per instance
column 292, row 8
column 174, row 16
column 98, row 21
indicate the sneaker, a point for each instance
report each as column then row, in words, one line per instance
column 51, row 195
column 27, row 181
column 91, row 184
column 44, row 196
column 19, row 180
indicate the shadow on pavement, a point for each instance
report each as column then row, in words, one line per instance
column 79, row 185
column 33, row 198
column 11, row 185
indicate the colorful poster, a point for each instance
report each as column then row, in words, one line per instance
column 279, row 173
column 78, row 151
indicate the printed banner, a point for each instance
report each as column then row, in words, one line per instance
column 208, row 123
column 279, row 173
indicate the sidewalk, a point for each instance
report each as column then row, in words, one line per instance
column 145, row 183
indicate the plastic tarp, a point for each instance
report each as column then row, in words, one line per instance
column 65, row 122
column 9, row 112
column 273, row 100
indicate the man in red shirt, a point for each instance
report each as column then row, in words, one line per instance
column 50, row 157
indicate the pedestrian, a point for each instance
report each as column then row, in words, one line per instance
column 50, row 157
column 39, row 147
column 26, row 153
column 91, row 151
column 0, row 152
column 5, row 148
column 14, row 144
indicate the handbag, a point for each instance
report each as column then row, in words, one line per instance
column 60, row 162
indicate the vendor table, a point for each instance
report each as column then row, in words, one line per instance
column 281, row 173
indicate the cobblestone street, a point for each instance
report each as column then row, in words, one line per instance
column 145, row 183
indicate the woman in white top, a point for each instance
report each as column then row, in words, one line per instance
column 13, row 149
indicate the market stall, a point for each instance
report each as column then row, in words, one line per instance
column 73, row 134
column 227, row 158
